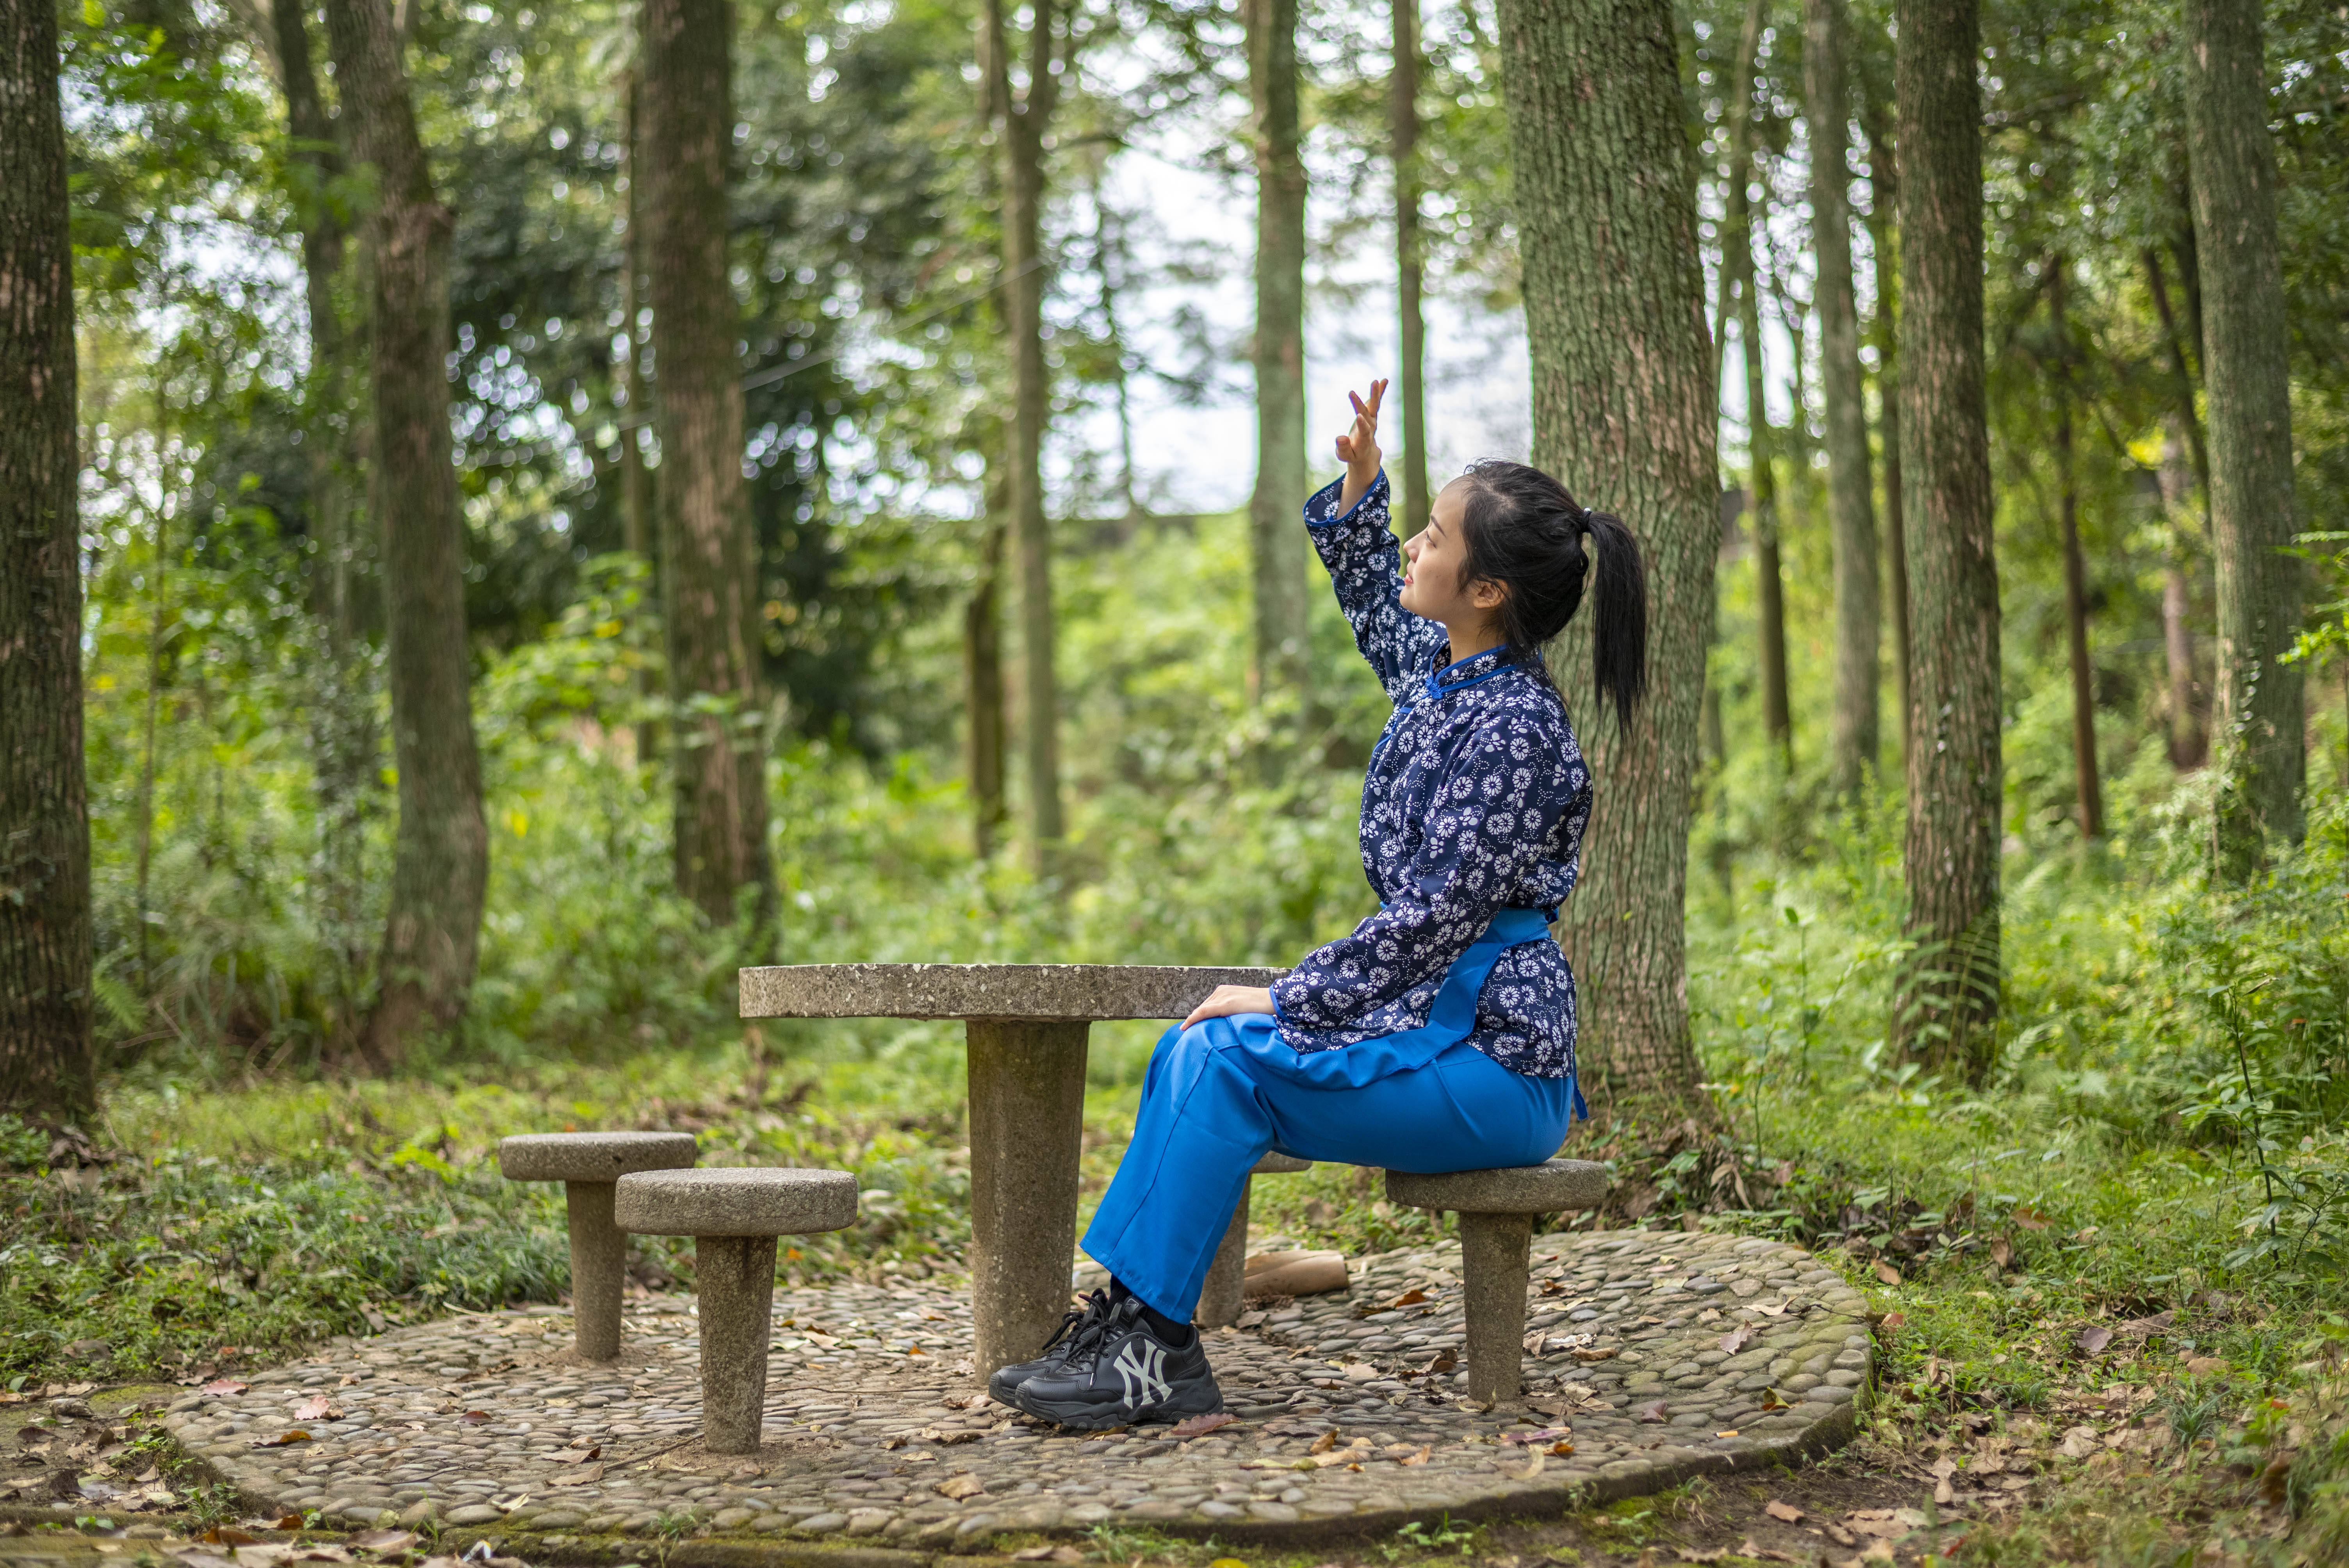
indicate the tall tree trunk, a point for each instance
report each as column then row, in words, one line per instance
column 2181, row 376
column 2075, row 569
column 343, row 740
column 1411, row 266
column 982, row 655
column 1624, row 414
column 709, row 556
column 1948, row 999
column 2186, row 738
column 1884, row 239
column 1762, row 481
column 639, row 522
column 46, row 1060
column 440, row 855
column 1281, row 485
column 1025, row 119
column 2247, row 373
column 1851, row 507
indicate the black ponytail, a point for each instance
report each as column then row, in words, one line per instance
column 1524, row 531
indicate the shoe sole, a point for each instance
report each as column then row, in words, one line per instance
column 1096, row 1418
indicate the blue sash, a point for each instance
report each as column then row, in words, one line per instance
column 1449, row 1021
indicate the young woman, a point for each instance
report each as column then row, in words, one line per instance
column 1439, row 1035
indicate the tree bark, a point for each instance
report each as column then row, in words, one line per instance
column 982, row 656
column 46, row 1060
column 2181, row 376
column 440, row 855
column 709, row 556
column 2186, row 744
column 1948, row 999
column 1025, row 119
column 1762, row 481
column 1281, row 486
column 1624, row 414
column 1411, row 266
column 1884, row 239
column 2075, row 570
column 1852, row 509
column 2246, row 371
column 343, row 740
column 638, row 522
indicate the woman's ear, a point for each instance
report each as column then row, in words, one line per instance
column 1487, row 595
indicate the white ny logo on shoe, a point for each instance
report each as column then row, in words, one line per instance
column 1141, row 1366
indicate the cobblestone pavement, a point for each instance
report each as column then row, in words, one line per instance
column 1651, row 1356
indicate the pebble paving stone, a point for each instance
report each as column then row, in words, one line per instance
column 1651, row 1356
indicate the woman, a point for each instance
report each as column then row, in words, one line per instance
column 1439, row 1035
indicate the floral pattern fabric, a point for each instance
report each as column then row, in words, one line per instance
column 1475, row 800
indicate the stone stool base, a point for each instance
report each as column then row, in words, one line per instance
column 588, row 1164
column 1220, row 1297
column 734, row 1216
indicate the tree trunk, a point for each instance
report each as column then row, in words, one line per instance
column 46, row 1060
column 638, row 519
column 982, row 663
column 1852, row 509
column 1025, row 119
column 1410, row 267
column 1948, row 999
column 1762, row 482
column 1884, row 239
column 1281, row 485
column 2075, row 569
column 343, row 740
column 2181, row 376
column 709, row 556
column 440, row 855
column 2246, row 372
column 1624, row 414
column 2187, row 745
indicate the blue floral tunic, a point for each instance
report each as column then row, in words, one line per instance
column 1475, row 800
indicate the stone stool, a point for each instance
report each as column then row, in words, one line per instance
column 1219, row 1298
column 588, row 1164
column 1496, row 1209
column 734, row 1216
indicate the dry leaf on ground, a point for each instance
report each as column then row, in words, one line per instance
column 1886, row 1273
column 1200, row 1425
column 2094, row 1338
column 283, row 1439
column 317, row 1408
column 1786, row 1512
column 958, row 1487
column 1736, row 1340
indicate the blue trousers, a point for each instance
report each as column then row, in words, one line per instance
column 1221, row 1093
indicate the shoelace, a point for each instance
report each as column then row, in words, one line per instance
column 1093, row 1338
column 1075, row 1323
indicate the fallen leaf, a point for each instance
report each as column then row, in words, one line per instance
column 1709, row 1554
column 1893, row 1322
column 1535, row 1340
column 1652, row 1411
column 225, row 1386
column 1325, row 1442
column 1593, row 1353
column 289, row 1521
column 317, row 1408
column 1444, row 1361
column 1886, row 1273
column 2030, row 1219
column 2203, row 1365
column 283, row 1439
column 957, row 1487
column 227, row 1535
column 1838, row 1533
column 1878, row 1551
column 1736, row 1340
column 585, row 1475
column 576, row 1455
column 477, row 1418
column 2147, row 1327
column 2079, row 1442
column 2001, row 1251
column 384, row 1539
column 1200, row 1425
column 1411, row 1297
column 1419, row 1457
column 1034, row 1553
column 2093, row 1338
column 1746, row 1548
column 1546, row 1434
column 960, row 1435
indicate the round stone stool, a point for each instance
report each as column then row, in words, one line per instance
column 1219, row 1298
column 1496, row 1209
column 588, row 1164
column 734, row 1216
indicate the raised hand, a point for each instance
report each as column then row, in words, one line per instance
column 1358, row 448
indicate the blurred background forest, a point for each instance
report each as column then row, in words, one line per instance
column 1008, row 646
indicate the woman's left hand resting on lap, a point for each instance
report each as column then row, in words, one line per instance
column 1228, row 1000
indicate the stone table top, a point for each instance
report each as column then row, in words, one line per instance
column 1652, row 1356
column 1040, row 993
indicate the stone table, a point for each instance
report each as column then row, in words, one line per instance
column 1025, row 1027
column 1654, row 1356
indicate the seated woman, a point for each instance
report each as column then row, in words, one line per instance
column 1439, row 1035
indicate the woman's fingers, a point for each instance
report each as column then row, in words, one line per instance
column 1378, row 391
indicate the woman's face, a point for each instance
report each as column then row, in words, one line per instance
column 1436, row 559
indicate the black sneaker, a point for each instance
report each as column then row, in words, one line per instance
column 1075, row 1327
column 1120, row 1373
